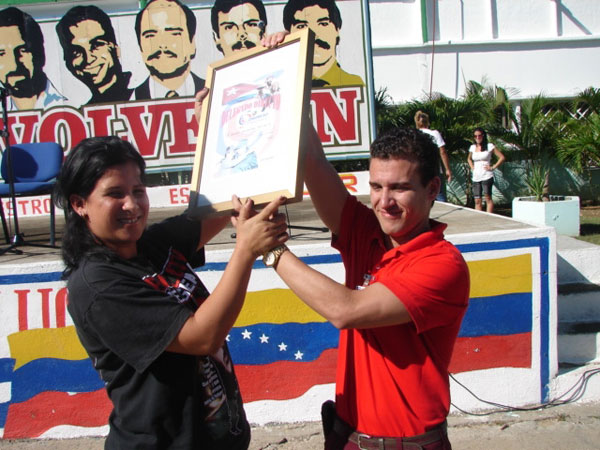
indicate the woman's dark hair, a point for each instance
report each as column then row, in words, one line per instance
column 484, row 141
column 84, row 165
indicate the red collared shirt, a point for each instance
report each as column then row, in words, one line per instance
column 393, row 381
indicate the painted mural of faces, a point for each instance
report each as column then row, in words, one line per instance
column 326, row 33
column 238, row 29
column 237, row 25
column 21, row 54
column 92, row 57
column 165, row 39
column 16, row 61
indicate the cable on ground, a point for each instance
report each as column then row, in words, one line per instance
column 572, row 394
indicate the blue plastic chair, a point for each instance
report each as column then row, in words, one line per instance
column 35, row 167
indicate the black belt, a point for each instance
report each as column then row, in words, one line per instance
column 364, row 441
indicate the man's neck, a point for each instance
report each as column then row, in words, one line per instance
column 391, row 242
column 24, row 103
column 105, row 87
column 321, row 69
column 175, row 82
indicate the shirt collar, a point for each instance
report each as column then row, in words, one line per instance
column 425, row 239
column 158, row 91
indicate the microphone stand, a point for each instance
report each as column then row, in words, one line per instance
column 17, row 239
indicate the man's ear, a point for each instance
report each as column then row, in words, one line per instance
column 193, row 42
column 217, row 40
column 434, row 187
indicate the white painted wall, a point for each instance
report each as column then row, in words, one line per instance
column 535, row 46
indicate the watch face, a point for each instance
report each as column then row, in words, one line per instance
column 269, row 258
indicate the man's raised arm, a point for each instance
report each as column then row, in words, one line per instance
column 327, row 191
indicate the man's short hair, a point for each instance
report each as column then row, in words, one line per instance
column 78, row 14
column 30, row 30
column 225, row 6
column 410, row 144
column 190, row 19
column 298, row 5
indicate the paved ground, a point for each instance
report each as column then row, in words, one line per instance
column 566, row 427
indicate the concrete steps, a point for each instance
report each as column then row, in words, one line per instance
column 578, row 302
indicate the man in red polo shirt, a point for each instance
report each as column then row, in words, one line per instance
column 405, row 296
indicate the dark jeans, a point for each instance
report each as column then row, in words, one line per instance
column 441, row 197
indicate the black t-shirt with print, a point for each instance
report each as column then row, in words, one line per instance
column 126, row 313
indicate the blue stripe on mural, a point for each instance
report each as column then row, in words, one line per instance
column 27, row 278
column 317, row 259
column 270, row 343
column 215, row 266
column 48, row 374
column 6, row 369
column 543, row 244
column 6, row 376
column 3, row 413
column 498, row 315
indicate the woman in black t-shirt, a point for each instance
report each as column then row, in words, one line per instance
column 153, row 332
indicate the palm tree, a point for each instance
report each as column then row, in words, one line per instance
column 497, row 109
column 587, row 102
column 579, row 146
column 534, row 130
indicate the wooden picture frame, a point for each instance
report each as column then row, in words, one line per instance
column 250, row 132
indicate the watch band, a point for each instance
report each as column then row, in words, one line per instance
column 271, row 258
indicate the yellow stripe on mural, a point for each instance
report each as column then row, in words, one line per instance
column 60, row 343
column 275, row 306
column 489, row 277
column 500, row 276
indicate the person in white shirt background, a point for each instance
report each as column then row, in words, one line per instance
column 422, row 123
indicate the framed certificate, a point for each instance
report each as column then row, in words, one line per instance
column 250, row 133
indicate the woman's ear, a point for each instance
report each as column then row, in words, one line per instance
column 78, row 204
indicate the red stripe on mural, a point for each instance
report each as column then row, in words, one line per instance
column 487, row 352
column 50, row 409
column 285, row 379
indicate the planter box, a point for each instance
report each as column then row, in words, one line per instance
column 560, row 212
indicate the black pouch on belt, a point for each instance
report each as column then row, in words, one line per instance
column 328, row 416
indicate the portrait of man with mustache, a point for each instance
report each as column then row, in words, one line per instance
column 324, row 19
column 165, row 30
column 22, row 60
column 237, row 24
column 91, row 53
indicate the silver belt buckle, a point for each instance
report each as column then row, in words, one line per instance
column 380, row 443
column 360, row 436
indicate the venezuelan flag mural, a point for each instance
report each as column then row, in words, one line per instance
column 283, row 351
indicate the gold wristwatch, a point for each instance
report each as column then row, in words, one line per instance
column 271, row 257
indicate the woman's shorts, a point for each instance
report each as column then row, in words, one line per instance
column 485, row 185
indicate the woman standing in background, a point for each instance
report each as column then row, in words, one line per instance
column 480, row 161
